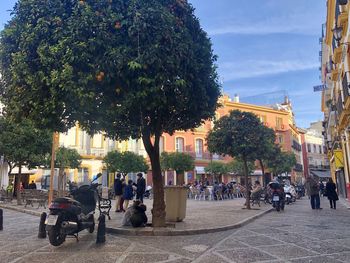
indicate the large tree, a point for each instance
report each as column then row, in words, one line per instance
column 217, row 169
column 125, row 67
column 237, row 135
column 66, row 158
column 179, row 162
column 22, row 144
column 125, row 162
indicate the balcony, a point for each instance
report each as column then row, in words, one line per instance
column 205, row 156
column 296, row 146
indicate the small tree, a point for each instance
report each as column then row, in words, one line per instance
column 179, row 162
column 23, row 144
column 237, row 167
column 237, row 135
column 281, row 162
column 66, row 158
column 124, row 163
column 217, row 169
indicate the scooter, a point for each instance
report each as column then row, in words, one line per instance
column 288, row 194
column 69, row 216
column 277, row 196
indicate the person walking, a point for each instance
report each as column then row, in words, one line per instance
column 313, row 189
column 118, row 191
column 128, row 194
column 331, row 193
column 140, row 187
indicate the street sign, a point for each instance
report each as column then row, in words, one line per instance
column 320, row 88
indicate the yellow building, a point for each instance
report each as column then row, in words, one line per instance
column 336, row 94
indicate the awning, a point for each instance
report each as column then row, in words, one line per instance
column 24, row 170
column 321, row 173
column 200, row 170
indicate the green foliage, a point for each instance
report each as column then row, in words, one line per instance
column 217, row 168
column 67, row 158
column 177, row 161
column 237, row 135
column 125, row 162
column 24, row 144
column 237, row 167
column 281, row 162
column 114, row 66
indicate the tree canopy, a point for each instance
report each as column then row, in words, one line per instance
column 67, row 158
column 237, row 167
column 217, row 169
column 124, row 163
column 23, row 144
column 127, row 68
column 281, row 162
column 179, row 162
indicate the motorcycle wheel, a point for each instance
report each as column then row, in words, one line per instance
column 55, row 237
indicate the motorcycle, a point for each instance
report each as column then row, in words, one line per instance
column 277, row 196
column 288, row 194
column 69, row 216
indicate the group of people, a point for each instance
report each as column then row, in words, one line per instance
column 135, row 215
column 125, row 192
column 315, row 189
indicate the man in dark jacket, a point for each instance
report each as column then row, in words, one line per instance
column 140, row 187
column 118, row 191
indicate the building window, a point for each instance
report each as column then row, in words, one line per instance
column 308, row 148
column 263, row 118
column 279, row 123
column 320, row 149
column 161, row 144
column 315, row 149
column 179, row 145
column 280, row 139
column 199, row 148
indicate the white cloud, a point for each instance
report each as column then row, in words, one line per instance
column 255, row 68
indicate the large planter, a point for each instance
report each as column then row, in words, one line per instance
column 175, row 201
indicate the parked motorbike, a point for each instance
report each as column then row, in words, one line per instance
column 288, row 194
column 69, row 216
column 277, row 196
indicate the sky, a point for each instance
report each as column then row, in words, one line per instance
column 263, row 46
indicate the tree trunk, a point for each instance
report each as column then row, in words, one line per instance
column 19, row 180
column 263, row 171
column 245, row 167
column 158, row 210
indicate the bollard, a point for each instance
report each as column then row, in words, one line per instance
column 42, row 230
column 1, row 220
column 101, row 229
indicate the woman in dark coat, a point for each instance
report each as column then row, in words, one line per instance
column 331, row 193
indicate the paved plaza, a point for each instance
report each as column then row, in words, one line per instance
column 297, row 235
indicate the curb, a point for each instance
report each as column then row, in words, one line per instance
column 161, row 231
column 168, row 232
column 22, row 210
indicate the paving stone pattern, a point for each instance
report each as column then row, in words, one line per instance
column 297, row 235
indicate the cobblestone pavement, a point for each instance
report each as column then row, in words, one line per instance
column 297, row 235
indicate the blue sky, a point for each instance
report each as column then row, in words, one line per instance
column 263, row 46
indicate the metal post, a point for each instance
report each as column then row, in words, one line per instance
column 42, row 231
column 101, row 229
column 1, row 220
